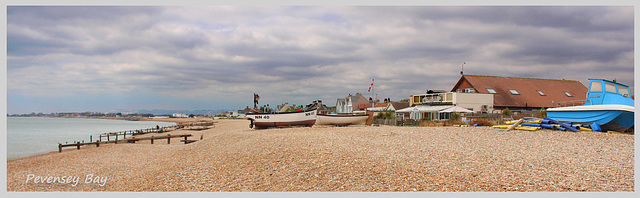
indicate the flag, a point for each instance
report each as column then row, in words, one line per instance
column 370, row 85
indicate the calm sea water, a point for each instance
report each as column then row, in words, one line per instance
column 33, row 135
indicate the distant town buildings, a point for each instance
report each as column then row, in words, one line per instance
column 179, row 115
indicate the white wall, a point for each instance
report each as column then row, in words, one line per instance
column 473, row 100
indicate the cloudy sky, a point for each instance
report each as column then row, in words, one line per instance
column 83, row 58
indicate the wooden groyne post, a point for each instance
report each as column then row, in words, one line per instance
column 133, row 140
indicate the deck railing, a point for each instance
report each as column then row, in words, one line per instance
column 573, row 103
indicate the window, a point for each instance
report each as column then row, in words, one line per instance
column 610, row 87
column 514, row 92
column 540, row 92
column 624, row 91
column 491, row 91
column 568, row 94
column 596, row 87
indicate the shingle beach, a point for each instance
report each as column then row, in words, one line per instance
column 231, row 157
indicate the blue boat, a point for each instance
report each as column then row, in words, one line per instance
column 608, row 104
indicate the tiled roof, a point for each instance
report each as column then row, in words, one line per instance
column 400, row 105
column 526, row 90
column 382, row 105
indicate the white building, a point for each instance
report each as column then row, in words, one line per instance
column 476, row 102
column 352, row 104
column 180, row 115
column 232, row 113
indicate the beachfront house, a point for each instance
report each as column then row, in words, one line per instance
column 351, row 103
column 394, row 106
column 521, row 94
column 476, row 102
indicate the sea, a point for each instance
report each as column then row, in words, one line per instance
column 27, row 136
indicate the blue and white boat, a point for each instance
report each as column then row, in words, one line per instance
column 608, row 104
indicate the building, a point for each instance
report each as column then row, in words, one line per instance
column 232, row 114
column 522, row 94
column 428, row 112
column 180, row 115
column 284, row 107
column 476, row 102
column 393, row 106
column 236, row 113
column 351, row 103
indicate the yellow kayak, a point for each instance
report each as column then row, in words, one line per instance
column 531, row 121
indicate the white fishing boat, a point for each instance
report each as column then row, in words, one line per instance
column 341, row 120
column 282, row 119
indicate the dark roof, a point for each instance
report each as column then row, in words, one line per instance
column 527, row 89
column 400, row 105
column 359, row 99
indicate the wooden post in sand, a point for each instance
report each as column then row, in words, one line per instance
column 516, row 124
column 98, row 143
column 78, row 145
column 152, row 139
column 116, row 138
column 91, row 138
column 59, row 148
column 168, row 138
column 185, row 139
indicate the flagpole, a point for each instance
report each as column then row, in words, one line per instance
column 373, row 100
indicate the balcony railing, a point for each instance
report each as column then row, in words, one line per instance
column 433, row 98
column 573, row 103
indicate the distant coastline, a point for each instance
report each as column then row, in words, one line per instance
column 124, row 113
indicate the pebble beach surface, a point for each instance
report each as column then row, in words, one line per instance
column 233, row 158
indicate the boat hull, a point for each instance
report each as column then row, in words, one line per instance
column 341, row 120
column 609, row 117
column 284, row 119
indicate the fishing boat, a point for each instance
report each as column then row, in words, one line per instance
column 608, row 104
column 282, row 119
column 341, row 120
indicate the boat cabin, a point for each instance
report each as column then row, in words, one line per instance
column 608, row 92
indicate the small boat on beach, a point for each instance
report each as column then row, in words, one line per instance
column 341, row 120
column 608, row 104
column 282, row 119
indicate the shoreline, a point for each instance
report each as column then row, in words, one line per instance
column 167, row 120
column 233, row 158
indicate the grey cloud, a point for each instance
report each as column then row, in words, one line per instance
column 290, row 51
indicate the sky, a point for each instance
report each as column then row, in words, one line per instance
column 106, row 59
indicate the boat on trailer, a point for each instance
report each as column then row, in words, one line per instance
column 341, row 120
column 282, row 119
column 608, row 104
